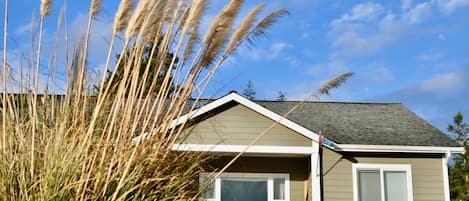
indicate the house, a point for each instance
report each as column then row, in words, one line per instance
column 375, row 151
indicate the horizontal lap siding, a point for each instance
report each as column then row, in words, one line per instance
column 239, row 125
column 427, row 176
column 337, row 177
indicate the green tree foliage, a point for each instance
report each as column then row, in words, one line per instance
column 152, row 72
column 459, row 172
column 281, row 96
column 250, row 92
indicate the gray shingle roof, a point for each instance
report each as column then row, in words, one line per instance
column 363, row 123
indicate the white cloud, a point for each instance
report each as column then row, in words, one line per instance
column 380, row 74
column 437, row 98
column 100, row 37
column 293, row 61
column 276, row 49
column 254, row 54
column 24, row 29
column 365, row 11
column 448, row 6
column 405, row 4
column 303, row 90
column 442, row 82
column 329, row 68
column 353, row 44
column 273, row 52
column 419, row 13
column 432, row 56
column 368, row 27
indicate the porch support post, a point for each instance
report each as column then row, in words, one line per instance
column 445, row 159
column 315, row 172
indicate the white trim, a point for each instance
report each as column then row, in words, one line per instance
column 315, row 173
column 304, row 150
column 444, row 163
column 268, row 176
column 297, row 150
column 382, row 168
column 396, row 148
column 251, row 105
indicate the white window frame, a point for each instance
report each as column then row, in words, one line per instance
column 382, row 168
column 270, row 183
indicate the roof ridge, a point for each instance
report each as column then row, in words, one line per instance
column 337, row 102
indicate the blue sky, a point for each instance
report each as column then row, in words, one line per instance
column 411, row 52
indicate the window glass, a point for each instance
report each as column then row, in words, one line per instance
column 395, row 185
column 243, row 189
column 279, row 189
column 369, row 185
column 209, row 192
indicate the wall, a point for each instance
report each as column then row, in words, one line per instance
column 427, row 174
column 239, row 125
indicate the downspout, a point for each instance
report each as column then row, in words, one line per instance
column 321, row 175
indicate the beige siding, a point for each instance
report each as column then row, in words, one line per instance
column 427, row 175
column 239, row 125
column 297, row 168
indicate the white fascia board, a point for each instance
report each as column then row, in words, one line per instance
column 396, row 148
column 213, row 148
column 248, row 103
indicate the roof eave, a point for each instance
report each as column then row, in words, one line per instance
column 396, row 148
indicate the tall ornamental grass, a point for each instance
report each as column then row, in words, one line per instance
column 79, row 144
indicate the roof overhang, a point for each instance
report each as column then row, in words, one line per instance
column 235, row 149
column 396, row 148
column 305, row 150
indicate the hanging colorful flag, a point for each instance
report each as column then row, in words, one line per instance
column 326, row 142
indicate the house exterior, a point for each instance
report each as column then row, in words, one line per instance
column 374, row 151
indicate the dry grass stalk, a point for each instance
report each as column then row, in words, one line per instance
column 95, row 8
column 122, row 17
column 4, row 77
column 121, row 20
column 136, row 19
column 80, row 147
column 216, row 36
column 242, row 31
column 152, row 22
column 197, row 9
column 46, row 7
column 333, row 83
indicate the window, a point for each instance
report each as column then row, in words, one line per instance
column 382, row 182
column 246, row 187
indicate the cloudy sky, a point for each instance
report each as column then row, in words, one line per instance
column 411, row 52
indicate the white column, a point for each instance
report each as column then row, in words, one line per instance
column 315, row 173
column 445, row 159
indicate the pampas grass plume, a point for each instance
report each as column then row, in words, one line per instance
column 219, row 30
column 137, row 18
column 46, row 7
column 240, row 34
column 122, row 16
column 333, row 83
column 151, row 22
column 96, row 7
